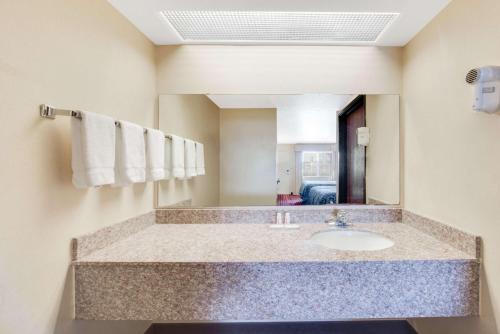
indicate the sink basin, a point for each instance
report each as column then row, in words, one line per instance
column 351, row 240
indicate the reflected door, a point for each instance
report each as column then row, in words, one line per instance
column 286, row 169
column 352, row 157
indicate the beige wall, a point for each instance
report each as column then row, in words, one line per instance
column 202, row 69
column 74, row 54
column 195, row 117
column 382, row 154
column 248, row 157
column 452, row 155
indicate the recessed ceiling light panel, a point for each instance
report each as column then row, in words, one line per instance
column 248, row 26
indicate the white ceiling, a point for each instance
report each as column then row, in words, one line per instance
column 414, row 15
column 304, row 118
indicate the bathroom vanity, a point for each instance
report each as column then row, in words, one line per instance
column 227, row 264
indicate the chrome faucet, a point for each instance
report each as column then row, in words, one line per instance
column 338, row 219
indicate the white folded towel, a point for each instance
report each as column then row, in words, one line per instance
column 178, row 170
column 190, row 158
column 130, row 164
column 200, row 159
column 155, row 155
column 93, row 150
column 168, row 159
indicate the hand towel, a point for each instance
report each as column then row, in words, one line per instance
column 130, row 166
column 200, row 159
column 190, row 158
column 168, row 159
column 178, row 170
column 93, row 150
column 155, row 155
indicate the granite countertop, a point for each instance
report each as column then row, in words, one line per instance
column 257, row 243
column 220, row 265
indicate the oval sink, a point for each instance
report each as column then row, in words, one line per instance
column 351, row 240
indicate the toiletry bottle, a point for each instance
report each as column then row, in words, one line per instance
column 279, row 218
column 287, row 218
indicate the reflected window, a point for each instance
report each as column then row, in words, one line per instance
column 317, row 165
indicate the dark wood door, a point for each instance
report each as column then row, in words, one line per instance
column 352, row 157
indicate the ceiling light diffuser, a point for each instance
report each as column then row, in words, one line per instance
column 248, row 26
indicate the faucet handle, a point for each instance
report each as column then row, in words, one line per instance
column 333, row 217
column 341, row 215
column 342, row 219
column 338, row 218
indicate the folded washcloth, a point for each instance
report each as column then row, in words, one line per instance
column 93, row 150
column 177, row 157
column 200, row 159
column 130, row 164
column 155, row 155
column 190, row 158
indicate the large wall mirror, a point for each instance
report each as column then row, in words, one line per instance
column 302, row 149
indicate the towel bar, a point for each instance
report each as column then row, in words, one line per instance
column 49, row 112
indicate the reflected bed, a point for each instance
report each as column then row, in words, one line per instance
column 322, row 196
column 311, row 193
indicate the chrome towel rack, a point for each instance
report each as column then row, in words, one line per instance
column 50, row 112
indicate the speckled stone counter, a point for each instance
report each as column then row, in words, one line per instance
column 218, row 272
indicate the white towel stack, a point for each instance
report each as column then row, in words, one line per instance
column 200, row 159
column 130, row 164
column 93, row 150
column 177, row 156
column 155, row 155
column 104, row 153
column 190, row 158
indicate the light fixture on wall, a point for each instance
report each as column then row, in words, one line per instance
column 268, row 26
column 487, row 85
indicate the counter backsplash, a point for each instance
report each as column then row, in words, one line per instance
column 267, row 215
